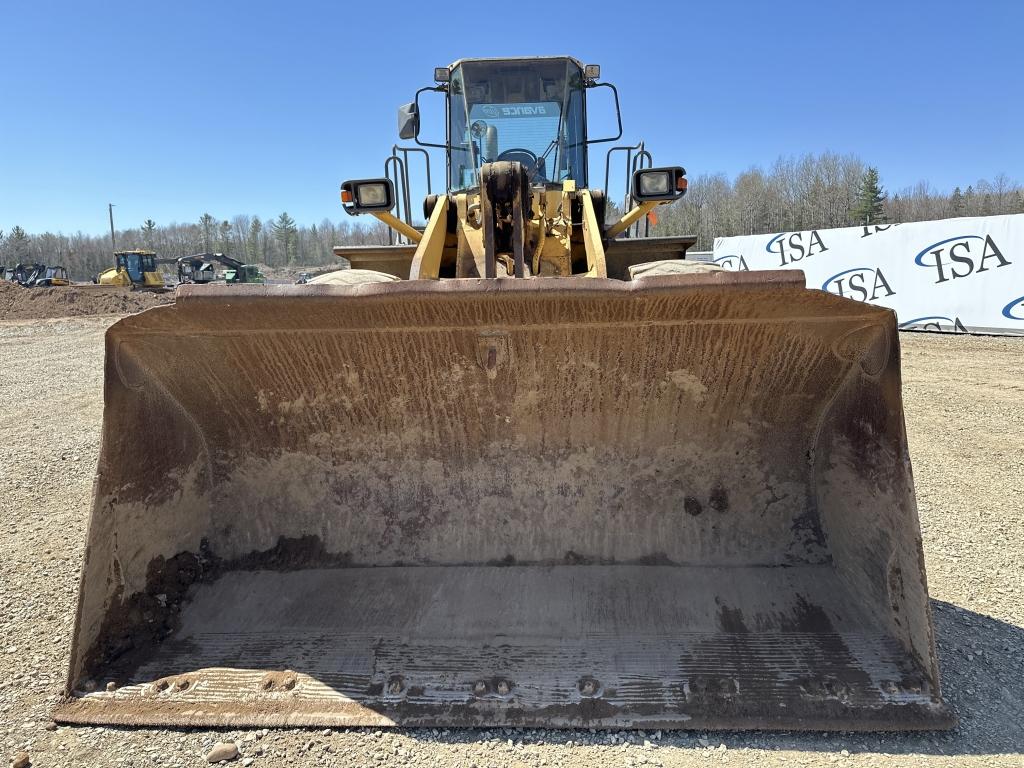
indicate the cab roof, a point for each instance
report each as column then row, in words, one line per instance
column 523, row 59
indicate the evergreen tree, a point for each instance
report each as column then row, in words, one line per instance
column 18, row 245
column 969, row 200
column 253, row 245
column 149, row 233
column 956, row 203
column 285, row 231
column 870, row 205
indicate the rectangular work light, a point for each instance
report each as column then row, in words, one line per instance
column 659, row 184
column 368, row 195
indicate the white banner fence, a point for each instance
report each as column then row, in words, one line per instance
column 959, row 275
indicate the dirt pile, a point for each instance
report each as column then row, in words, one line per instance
column 17, row 303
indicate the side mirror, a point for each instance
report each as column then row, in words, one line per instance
column 408, row 121
column 658, row 184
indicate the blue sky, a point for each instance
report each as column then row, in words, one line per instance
column 172, row 109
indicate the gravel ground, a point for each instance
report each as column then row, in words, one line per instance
column 965, row 410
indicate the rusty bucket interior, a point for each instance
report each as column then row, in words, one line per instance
column 678, row 502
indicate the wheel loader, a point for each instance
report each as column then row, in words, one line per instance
column 520, row 469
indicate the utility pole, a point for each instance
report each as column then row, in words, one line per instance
column 110, row 210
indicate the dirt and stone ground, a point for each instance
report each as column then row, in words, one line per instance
column 965, row 412
column 18, row 303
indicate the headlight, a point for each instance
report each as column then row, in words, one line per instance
column 368, row 195
column 655, row 183
column 372, row 195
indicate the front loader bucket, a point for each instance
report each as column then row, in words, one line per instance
column 679, row 502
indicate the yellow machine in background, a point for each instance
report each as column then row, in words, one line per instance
column 37, row 275
column 55, row 276
column 133, row 269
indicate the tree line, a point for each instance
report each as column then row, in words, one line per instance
column 819, row 192
column 796, row 193
column 276, row 242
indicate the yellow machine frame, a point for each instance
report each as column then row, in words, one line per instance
column 557, row 243
column 118, row 274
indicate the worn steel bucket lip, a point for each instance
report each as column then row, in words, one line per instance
column 788, row 277
column 78, row 712
column 782, row 297
column 784, row 279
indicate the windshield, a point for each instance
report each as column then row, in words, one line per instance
column 528, row 111
column 136, row 264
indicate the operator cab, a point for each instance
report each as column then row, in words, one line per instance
column 136, row 264
column 530, row 111
column 56, row 276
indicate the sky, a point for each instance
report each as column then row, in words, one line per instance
column 172, row 109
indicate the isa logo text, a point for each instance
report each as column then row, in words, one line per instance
column 860, row 283
column 935, row 323
column 962, row 256
column 796, row 246
column 733, row 262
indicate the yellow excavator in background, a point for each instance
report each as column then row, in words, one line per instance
column 135, row 269
column 520, row 470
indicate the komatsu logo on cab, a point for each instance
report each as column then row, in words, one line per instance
column 518, row 110
column 524, row 110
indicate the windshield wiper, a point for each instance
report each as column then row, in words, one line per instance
column 536, row 167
